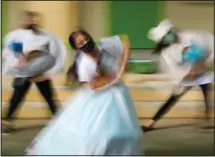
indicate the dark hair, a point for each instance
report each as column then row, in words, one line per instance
column 73, row 68
column 161, row 45
column 31, row 14
column 73, row 34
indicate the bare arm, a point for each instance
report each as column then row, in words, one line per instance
column 125, row 56
column 102, row 82
column 196, row 70
column 99, row 81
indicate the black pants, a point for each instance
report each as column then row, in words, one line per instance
column 45, row 88
column 205, row 88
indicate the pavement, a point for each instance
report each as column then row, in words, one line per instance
column 173, row 137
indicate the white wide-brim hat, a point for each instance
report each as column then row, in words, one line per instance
column 157, row 33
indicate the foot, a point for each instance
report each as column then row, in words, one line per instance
column 146, row 128
column 7, row 128
column 151, row 123
column 149, row 127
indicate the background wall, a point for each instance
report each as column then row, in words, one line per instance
column 191, row 15
column 102, row 18
column 94, row 17
column 105, row 18
column 4, row 15
column 135, row 18
column 58, row 17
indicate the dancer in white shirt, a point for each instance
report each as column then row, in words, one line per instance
column 100, row 119
column 31, row 55
column 185, row 56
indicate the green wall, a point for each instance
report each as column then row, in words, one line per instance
column 135, row 18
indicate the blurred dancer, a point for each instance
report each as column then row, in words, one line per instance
column 185, row 56
column 100, row 119
column 31, row 55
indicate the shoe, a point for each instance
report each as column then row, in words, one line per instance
column 146, row 129
column 7, row 128
column 207, row 128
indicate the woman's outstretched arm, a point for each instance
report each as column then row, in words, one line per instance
column 102, row 82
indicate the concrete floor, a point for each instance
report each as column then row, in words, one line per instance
column 172, row 137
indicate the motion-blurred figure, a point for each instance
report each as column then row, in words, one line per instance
column 31, row 55
column 101, row 118
column 186, row 56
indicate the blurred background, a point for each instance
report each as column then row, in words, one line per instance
column 105, row 18
column 148, row 88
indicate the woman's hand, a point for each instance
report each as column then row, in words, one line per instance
column 100, row 82
column 196, row 70
column 22, row 62
column 126, row 52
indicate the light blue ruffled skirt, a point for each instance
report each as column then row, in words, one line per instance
column 103, row 123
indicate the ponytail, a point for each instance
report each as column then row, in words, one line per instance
column 72, row 72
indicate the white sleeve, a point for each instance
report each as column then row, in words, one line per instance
column 112, row 45
column 86, row 70
column 8, row 58
column 205, row 40
column 59, row 51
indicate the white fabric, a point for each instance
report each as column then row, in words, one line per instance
column 171, row 63
column 201, row 38
column 112, row 45
column 59, row 51
column 205, row 79
column 157, row 33
column 171, row 57
column 44, row 41
column 86, row 68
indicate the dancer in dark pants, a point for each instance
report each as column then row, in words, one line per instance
column 205, row 88
column 185, row 56
column 31, row 55
column 45, row 88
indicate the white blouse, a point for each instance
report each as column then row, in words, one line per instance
column 171, row 57
column 43, row 41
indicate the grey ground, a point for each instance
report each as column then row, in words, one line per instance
column 173, row 137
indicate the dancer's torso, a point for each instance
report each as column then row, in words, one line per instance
column 171, row 61
column 34, row 45
column 109, row 62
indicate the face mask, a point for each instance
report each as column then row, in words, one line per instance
column 168, row 38
column 31, row 27
column 88, row 47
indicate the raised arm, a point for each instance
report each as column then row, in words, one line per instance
column 125, row 55
column 101, row 81
column 8, row 57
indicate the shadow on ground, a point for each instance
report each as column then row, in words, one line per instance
column 172, row 137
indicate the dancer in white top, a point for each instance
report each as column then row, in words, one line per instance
column 185, row 56
column 100, row 119
column 31, row 55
